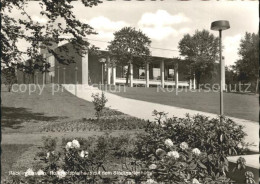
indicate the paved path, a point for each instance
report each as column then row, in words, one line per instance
column 143, row 110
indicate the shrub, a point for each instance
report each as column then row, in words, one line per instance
column 99, row 103
column 211, row 139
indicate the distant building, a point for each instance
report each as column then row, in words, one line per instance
column 93, row 69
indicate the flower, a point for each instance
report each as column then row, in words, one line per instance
column 75, row 144
column 153, row 166
column 195, row 181
column 151, row 181
column 196, row 151
column 168, row 142
column 68, row 145
column 159, row 152
column 184, row 145
column 83, row 154
column 48, row 155
column 40, row 173
column 29, row 172
column 61, row 173
column 174, row 154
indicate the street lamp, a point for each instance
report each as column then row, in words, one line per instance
column 219, row 26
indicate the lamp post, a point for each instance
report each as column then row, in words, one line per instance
column 76, row 80
column 219, row 26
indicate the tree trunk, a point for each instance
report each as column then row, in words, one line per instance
column 197, row 77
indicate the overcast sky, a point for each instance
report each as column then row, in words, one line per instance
column 165, row 22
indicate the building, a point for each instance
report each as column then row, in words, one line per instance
column 92, row 69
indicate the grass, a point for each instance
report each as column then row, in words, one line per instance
column 235, row 105
column 25, row 115
column 10, row 154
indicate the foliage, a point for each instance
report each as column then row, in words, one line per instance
column 247, row 67
column 202, row 50
column 122, row 122
column 190, row 150
column 127, row 45
column 213, row 141
column 61, row 25
column 9, row 77
column 99, row 103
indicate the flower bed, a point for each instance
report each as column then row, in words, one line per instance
column 190, row 150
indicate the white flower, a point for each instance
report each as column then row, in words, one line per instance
column 29, row 172
column 48, row 155
column 151, row 181
column 196, row 151
column 61, row 173
column 184, row 145
column 195, row 181
column 83, row 154
column 40, row 173
column 168, row 142
column 68, row 145
column 153, row 166
column 75, row 144
column 174, row 154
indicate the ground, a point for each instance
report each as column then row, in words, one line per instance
column 242, row 106
column 27, row 118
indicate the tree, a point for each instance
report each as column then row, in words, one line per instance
column 41, row 36
column 129, row 45
column 247, row 67
column 201, row 50
column 8, row 77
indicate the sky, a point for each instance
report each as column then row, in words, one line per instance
column 166, row 22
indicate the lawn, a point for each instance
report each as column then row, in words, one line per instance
column 10, row 154
column 26, row 118
column 235, row 105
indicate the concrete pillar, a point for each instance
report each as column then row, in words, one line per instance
column 108, row 71
column 58, row 80
column 85, row 73
column 64, row 75
column 176, row 76
column 194, row 82
column 162, row 73
column 190, row 84
column 147, row 75
column 131, row 75
column 114, row 75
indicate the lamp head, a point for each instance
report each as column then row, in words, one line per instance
column 220, row 25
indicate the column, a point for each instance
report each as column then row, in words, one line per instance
column 85, row 68
column 194, row 82
column 114, row 75
column 58, row 68
column 131, row 76
column 147, row 75
column 176, row 76
column 162, row 73
column 190, row 84
column 64, row 75
column 108, row 71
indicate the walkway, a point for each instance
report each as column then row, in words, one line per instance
column 143, row 110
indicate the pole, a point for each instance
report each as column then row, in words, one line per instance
column 221, row 75
column 76, row 80
column 102, row 75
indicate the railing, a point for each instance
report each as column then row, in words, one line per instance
column 152, row 82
